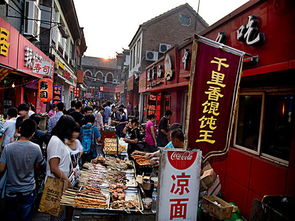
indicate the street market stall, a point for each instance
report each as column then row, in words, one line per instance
column 107, row 185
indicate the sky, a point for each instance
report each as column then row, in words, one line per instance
column 109, row 25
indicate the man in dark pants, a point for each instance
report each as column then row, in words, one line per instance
column 19, row 159
column 163, row 129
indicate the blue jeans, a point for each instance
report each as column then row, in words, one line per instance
column 20, row 205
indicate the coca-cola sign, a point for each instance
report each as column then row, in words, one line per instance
column 181, row 160
column 179, row 184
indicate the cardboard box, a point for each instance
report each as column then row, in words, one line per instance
column 208, row 177
column 217, row 207
column 215, row 188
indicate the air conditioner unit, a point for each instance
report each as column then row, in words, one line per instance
column 151, row 55
column 32, row 19
column 164, row 47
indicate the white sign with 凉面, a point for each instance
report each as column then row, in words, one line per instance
column 179, row 185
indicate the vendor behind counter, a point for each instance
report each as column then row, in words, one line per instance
column 132, row 136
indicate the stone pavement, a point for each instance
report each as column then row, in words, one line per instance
column 90, row 217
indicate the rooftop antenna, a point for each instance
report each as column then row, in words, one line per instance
column 198, row 6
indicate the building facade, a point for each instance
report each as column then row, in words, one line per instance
column 152, row 39
column 101, row 77
column 67, row 45
column 261, row 157
column 22, row 63
column 44, row 39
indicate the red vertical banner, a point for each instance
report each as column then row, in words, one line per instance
column 57, row 94
column 76, row 92
column 214, row 82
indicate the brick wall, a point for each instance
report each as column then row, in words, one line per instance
column 169, row 30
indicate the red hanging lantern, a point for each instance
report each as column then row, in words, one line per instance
column 45, row 87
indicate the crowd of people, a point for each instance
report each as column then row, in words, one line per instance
column 72, row 137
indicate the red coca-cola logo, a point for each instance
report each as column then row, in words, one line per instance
column 182, row 160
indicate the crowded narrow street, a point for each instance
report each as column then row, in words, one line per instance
column 147, row 110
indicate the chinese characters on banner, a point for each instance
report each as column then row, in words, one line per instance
column 4, row 45
column 212, row 96
column 179, row 185
column 45, row 89
column 36, row 62
column 76, row 92
column 57, row 94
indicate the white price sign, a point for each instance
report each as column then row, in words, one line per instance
column 179, row 185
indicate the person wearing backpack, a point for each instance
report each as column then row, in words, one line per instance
column 89, row 137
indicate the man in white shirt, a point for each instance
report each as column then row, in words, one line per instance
column 9, row 126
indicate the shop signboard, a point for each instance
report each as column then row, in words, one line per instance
column 179, row 185
column 120, row 88
column 76, row 92
column 216, row 71
column 45, row 90
column 130, row 83
column 163, row 72
column 142, row 83
column 32, row 60
column 184, row 61
column 80, row 76
column 57, row 94
column 107, row 89
column 8, row 44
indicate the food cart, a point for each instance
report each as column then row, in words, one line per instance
column 107, row 186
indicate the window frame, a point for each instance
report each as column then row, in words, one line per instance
column 264, row 92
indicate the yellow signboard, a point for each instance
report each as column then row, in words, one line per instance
column 4, row 45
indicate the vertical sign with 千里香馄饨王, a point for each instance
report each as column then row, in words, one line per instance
column 215, row 77
column 179, row 185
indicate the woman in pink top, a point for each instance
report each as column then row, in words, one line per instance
column 52, row 111
column 150, row 134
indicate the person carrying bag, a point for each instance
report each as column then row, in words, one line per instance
column 89, row 137
column 58, row 170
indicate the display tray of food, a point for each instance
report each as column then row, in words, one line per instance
column 102, row 172
column 88, row 197
column 141, row 160
column 142, row 164
column 130, row 201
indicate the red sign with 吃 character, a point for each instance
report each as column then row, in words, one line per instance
column 212, row 96
column 179, row 184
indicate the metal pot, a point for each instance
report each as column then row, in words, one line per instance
column 147, row 184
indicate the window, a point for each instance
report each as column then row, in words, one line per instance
column 248, row 123
column 185, row 20
column 109, row 78
column 99, row 76
column 138, row 52
column 279, row 120
column 133, row 57
column 88, row 74
column 265, row 124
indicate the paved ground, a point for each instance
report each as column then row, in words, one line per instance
column 41, row 217
column 91, row 217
